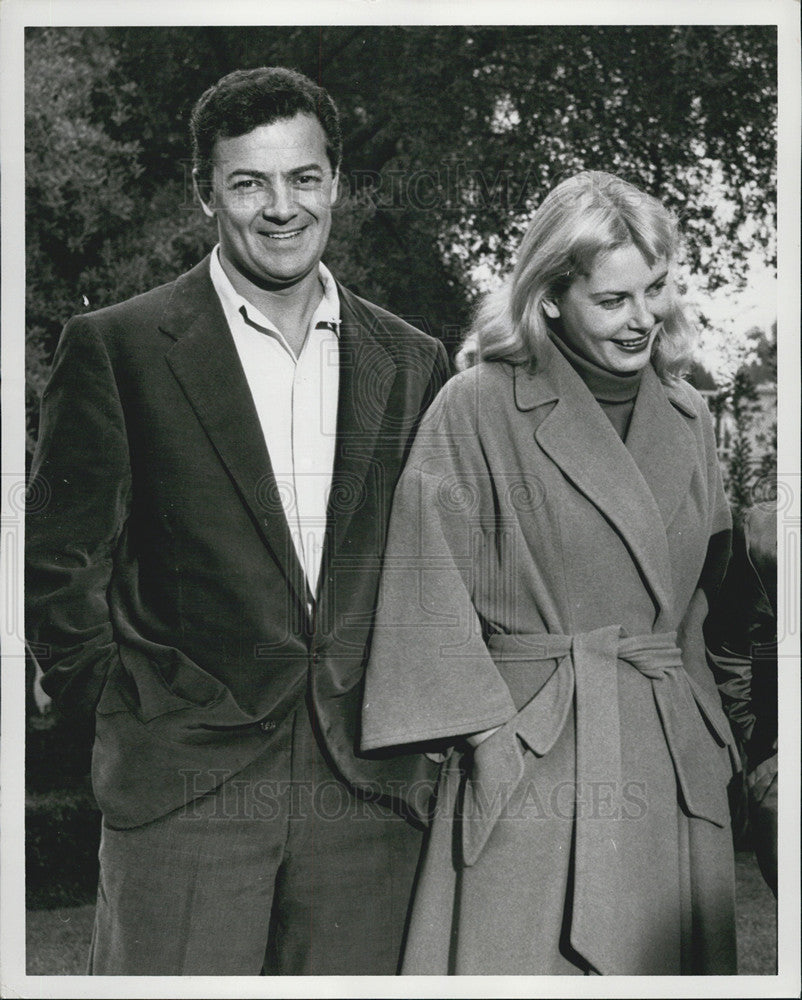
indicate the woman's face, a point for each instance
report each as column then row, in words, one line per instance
column 611, row 316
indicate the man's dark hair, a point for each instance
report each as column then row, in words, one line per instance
column 247, row 98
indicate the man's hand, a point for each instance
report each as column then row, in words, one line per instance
column 43, row 700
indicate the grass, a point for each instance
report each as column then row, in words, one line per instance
column 62, row 833
column 756, row 919
column 58, row 940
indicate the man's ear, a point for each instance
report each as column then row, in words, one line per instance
column 207, row 203
column 335, row 188
column 551, row 308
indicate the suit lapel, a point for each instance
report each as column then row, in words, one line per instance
column 205, row 362
column 367, row 373
column 579, row 438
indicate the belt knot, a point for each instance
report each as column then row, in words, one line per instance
column 655, row 656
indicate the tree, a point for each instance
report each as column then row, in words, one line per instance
column 78, row 180
column 452, row 135
column 455, row 133
column 740, row 468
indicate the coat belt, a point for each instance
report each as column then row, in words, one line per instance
column 587, row 673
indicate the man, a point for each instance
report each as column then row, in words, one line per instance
column 220, row 455
column 741, row 633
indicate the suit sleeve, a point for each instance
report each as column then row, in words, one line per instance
column 80, row 487
column 720, row 519
column 727, row 639
column 741, row 633
column 440, row 374
column 720, row 607
column 430, row 676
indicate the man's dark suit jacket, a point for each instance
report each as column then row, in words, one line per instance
column 162, row 584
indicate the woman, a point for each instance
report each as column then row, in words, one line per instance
column 555, row 538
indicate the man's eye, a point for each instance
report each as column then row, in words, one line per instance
column 245, row 183
column 306, row 180
column 610, row 303
column 656, row 289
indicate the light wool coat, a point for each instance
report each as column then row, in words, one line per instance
column 543, row 576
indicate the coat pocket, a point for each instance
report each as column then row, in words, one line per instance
column 524, row 677
column 497, row 765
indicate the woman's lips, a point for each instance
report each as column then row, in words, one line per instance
column 633, row 344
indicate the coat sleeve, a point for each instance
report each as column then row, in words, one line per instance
column 430, row 676
column 79, row 492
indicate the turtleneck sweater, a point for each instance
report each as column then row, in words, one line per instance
column 616, row 394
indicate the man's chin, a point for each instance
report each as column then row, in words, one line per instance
column 277, row 279
column 278, row 283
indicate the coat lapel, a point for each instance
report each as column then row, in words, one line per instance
column 205, row 362
column 367, row 373
column 662, row 443
column 580, row 439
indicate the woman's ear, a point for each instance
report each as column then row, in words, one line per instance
column 551, row 309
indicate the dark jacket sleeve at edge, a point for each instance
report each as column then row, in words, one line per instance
column 80, row 489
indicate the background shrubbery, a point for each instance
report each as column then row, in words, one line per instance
column 451, row 136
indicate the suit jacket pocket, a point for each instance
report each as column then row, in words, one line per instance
column 156, row 684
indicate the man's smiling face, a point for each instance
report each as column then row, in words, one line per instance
column 272, row 194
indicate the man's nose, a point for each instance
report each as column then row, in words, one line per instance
column 279, row 205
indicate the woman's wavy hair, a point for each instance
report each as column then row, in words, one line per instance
column 588, row 214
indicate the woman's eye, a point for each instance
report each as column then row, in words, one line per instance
column 656, row 289
column 610, row 303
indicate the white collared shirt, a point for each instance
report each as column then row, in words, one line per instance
column 296, row 401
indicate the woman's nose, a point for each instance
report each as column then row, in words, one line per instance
column 642, row 315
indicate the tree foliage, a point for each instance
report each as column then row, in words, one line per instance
column 451, row 136
column 740, row 468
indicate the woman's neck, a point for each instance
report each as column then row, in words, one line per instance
column 604, row 385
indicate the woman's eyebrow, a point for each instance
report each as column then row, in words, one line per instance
column 659, row 278
column 610, row 291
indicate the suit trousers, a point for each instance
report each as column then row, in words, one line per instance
column 281, row 870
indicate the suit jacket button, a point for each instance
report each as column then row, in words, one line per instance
column 267, row 725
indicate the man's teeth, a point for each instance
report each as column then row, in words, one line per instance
column 284, row 236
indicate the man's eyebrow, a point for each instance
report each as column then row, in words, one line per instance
column 306, row 168
column 253, row 172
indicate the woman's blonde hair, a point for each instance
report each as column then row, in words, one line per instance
column 590, row 213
